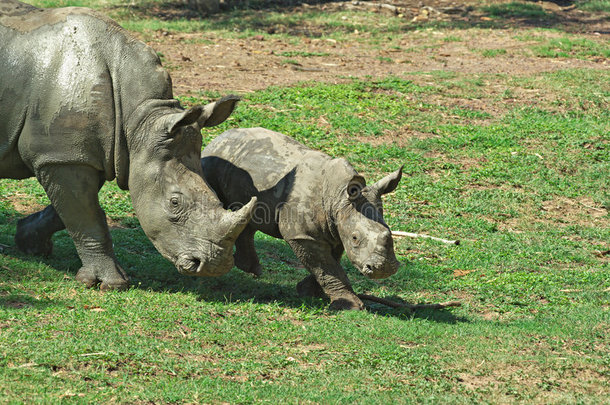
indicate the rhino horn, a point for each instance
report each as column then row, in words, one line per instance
column 234, row 222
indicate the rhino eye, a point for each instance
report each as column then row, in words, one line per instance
column 176, row 201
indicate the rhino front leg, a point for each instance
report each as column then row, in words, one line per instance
column 73, row 192
column 34, row 232
column 318, row 258
column 245, row 255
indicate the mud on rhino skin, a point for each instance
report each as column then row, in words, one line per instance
column 82, row 102
column 321, row 206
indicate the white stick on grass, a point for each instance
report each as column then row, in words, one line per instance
column 420, row 235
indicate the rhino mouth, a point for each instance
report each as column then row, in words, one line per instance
column 213, row 260
column 378, row 267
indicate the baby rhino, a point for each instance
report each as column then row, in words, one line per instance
column 321, row 206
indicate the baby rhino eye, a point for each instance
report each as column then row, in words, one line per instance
column 355, row 239
column 176, row 201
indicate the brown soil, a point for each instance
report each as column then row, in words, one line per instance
column 206, row 61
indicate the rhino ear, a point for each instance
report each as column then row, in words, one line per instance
column 184, row 118
column 355, row 187
column 218, row 111
column 388, row 183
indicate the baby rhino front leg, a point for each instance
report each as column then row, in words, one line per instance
column 317, row 257
column 245, row 255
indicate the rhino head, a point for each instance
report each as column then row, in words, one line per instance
column 177, row 209
column 359, row 221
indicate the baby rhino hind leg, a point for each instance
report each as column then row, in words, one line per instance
column 34, row 232
column 309, row 287
column 245, row 255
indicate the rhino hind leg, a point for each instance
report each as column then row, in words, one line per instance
column 34, row 232
column 327, row 273
column 73, row 192
column 245, row 255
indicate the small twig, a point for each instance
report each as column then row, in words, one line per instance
column 307, row 69
column 593, row 208
column 437, row 306
column 92, row 354
column 412, row 307
column 602, row 253
column 419, row 235
column 386, row 6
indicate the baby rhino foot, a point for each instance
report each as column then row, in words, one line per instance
column 309, row 287
column 30, row 241
column 248, row 266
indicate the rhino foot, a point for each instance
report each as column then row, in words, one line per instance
column 346, row 303
column 108, row 280
column 309, row 287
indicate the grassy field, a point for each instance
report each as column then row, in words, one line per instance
column 514, row 166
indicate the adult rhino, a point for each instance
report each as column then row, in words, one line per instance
column 82, row 102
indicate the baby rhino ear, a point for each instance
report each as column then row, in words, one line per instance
column 388, row 183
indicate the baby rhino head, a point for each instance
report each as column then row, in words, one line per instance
column 365, row 235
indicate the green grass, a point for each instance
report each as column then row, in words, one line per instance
column 524, row 185
column 491, row 53
column 290, row 62
column 292, row 54
column 594, row 5
column 535, row 294
column 581, row 48
column 516, row 10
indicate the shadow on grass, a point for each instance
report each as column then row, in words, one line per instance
column 292, row 18
column 22, row 301
column 149, row 271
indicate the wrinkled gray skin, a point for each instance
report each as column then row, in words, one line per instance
column 319, row 205
column 81, row 103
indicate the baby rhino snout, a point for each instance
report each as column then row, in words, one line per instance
column 380, row 267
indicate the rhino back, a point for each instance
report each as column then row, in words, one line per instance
column 285, row 176
column 266, row 156
column 68, row 79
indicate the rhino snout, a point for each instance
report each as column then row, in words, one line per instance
column 379, row 267
column 214, row 260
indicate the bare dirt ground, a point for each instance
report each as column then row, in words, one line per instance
column 207, row 61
